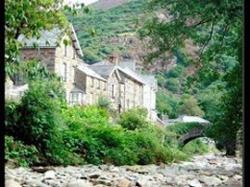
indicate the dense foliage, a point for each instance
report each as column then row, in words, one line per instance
column 28, row 18
column 215, row 27
column 135, row 118
column 20, row 154
column 46, row 131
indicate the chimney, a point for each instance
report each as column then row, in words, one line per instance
column 114, row 59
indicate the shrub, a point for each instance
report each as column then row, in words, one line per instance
column 133, row 118
column 196, row 147
column 40, row 123
column 183, row 128
column 11, row 118
column 21, row 154
column 85, row 116
column 104, row 102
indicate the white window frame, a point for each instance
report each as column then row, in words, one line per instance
column 64, row 73
column 76, row 98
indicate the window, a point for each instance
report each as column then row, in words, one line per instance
column 74, row 54
column 76, row 98
column 99, row 84
column 128, row 104
column 113, row 90
column 64, row 72
column 92, row 82
column 65, row 50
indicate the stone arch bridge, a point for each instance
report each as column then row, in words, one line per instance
column 191, row 135
column 189, row 131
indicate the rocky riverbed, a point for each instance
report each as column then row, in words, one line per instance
column 201, row 171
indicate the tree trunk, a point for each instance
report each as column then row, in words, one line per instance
column 230, row 148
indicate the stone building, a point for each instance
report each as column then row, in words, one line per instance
column 123, row 88
column 84, row 84
column 60, row 53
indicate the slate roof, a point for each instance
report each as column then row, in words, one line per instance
column 85, row 69
column 47, row 39
column 103, row 70
column 50, row 39
column 150, row 80
column 132, row 74
column 101, row 63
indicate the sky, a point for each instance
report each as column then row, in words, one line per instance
column 86, row 2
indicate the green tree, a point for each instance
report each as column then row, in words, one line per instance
column 215, row 27
column 173, row 84
column 190, row 106
column 226, row 127
column 28, row 17
column 167, row 104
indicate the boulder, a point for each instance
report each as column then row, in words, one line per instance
column 49, row 174
column 194, row 183
column 123, row 183
column 79, row 183
column 210, row 181
column 12, row 183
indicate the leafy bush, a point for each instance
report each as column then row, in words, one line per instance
column 11, row 117
column 133, row 118
column 21, row 154
column 183, row 128
column 85, row 115
column 196, row 147
column 104, row 102
column 40, row 123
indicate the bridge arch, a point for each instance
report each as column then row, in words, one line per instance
column 191, row 135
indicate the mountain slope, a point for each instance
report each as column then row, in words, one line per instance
column 108, row 4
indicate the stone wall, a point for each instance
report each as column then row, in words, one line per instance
column 113, row 90
column 80, row 79
column 131, row 93
column 66, row 55
column 45, row 55
column 95, row 88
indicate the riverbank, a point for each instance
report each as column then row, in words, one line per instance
column 202, row 171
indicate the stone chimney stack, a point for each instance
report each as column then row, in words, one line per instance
column 114, row 59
